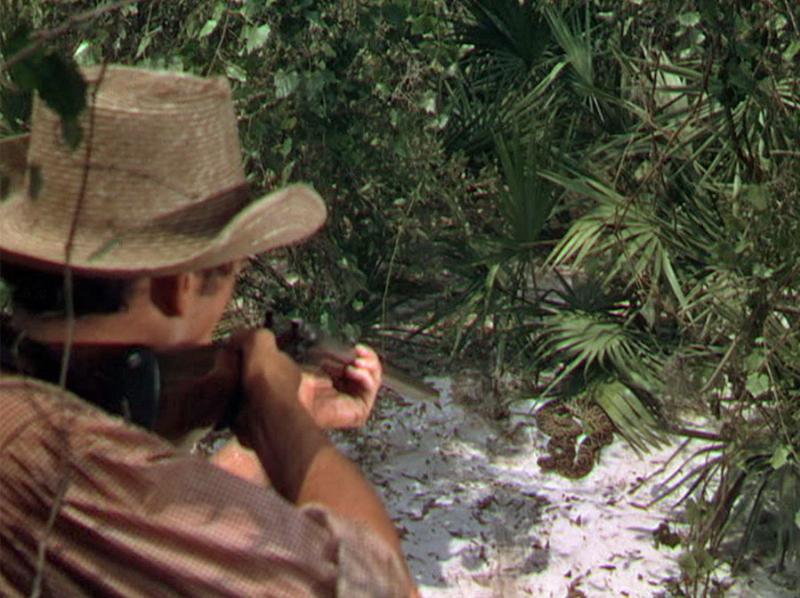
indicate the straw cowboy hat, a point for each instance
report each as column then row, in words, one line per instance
column 155, row 187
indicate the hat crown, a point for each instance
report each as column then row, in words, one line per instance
column 152, row 143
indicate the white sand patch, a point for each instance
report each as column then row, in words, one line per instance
column 480, row 518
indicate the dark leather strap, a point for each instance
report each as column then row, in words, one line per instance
column 123, row 381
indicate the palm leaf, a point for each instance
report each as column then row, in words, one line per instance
column 509, row 30
column 619, row 227
column 630, row 416
column 529, row 201
column 585, row 340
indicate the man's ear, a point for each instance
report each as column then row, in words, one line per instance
column 171, row 294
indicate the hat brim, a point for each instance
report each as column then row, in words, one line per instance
column 181, row 242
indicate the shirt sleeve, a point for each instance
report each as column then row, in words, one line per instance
column 132, row 516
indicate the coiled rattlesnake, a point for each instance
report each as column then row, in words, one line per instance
column 568, row 453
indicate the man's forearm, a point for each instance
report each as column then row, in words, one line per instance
column 304, row 466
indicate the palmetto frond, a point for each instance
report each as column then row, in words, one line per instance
column 681, row 183
column 575, row 41
column 505, row 60
column 587, row 340
column 528, row 202
column 632, row 418
column 507, row 38
column 598, row 346
column 618, row 227
column 601, row 350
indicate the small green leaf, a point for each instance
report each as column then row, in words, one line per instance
column 755, row 360
column 208, row 28
column 104, row 249
column 757, row 383
column 285, row 83
column 314, row 19
column 763, row 272
column 756, row 195
column 779, row 457
column 146, row 40
column 689, row 19
column 792, row 51
column 286, row 172
column 428, row 103
column 256, row 37
column 219, row 9
column 286, row 147
column 236, row 72
column 797, row 519
column 84, row 54
column 5, row 295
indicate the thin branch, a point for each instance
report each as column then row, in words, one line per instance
column 644, row 480
column 70, row 308
column 713, row 379
column 788, row 309
column 41, row 549
column 392, row 259
column 692, row 433
column 85, row 174
column 69, row 305
column 219, row 45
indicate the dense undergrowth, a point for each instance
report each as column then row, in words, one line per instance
column 601, row 196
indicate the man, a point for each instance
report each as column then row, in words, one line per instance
column 151, row 216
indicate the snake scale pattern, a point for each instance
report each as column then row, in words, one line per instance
column 573, row 447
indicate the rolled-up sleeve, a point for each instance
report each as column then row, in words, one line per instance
column 131, row 516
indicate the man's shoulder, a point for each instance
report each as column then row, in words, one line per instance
column 33, row 393
column 27, row 403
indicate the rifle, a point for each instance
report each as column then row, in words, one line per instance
column 174, row 391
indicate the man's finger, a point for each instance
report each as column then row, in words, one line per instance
column 365, row 381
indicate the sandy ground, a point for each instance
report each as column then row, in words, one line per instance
column 479, row 518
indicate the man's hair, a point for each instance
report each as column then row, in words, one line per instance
column 38, row 292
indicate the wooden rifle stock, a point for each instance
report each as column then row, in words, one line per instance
column 175, row 391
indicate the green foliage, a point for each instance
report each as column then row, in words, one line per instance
column 528, row 201
column 674, row 147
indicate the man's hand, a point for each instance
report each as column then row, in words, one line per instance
column 341, row 395
column 336, row 395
